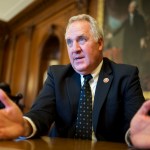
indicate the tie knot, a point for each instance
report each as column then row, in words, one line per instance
column 87, row 77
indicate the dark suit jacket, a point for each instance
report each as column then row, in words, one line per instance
column 115, row 102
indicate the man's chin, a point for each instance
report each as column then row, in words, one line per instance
column 81, row 70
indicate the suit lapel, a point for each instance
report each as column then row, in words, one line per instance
column 102, row 89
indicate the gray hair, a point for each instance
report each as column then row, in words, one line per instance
column 96, row 30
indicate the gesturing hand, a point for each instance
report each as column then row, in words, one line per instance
column 11, row 121
column 140, row 127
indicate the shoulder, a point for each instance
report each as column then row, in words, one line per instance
column 119, row 68
column 60, row 70
column 59, row 67
column 139, row 17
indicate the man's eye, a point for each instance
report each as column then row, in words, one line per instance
column 69, row 42
column 82, row 40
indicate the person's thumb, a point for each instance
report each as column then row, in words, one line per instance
column 5, row 99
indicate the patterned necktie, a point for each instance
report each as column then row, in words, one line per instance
column 84, row 116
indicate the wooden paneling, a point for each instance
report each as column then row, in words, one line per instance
column 8, row 60
column 4, row 31
column 20, row 62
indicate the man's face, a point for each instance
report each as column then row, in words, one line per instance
column 84, row 51
column 131, row 7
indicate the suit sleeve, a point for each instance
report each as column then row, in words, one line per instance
column 43, row 110
column 133, row 96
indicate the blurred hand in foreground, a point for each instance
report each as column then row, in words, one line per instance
column 140, row 127
column 11, row 120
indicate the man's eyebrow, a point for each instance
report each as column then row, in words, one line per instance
column 82, row 35
column 79, row 36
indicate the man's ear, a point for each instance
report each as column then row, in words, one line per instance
column 101, row 44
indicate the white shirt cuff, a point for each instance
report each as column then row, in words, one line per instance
column 34, row 129
column 127, row 138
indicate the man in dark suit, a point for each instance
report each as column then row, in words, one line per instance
column 116, row 91
column 134, row 35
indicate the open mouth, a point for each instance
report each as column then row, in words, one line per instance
column 78, row 58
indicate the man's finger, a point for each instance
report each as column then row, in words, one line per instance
column 4, row 98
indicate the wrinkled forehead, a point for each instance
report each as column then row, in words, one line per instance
column 78, row 28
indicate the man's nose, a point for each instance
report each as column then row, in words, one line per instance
column 76, row 46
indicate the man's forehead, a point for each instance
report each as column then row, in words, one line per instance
column 77, row 30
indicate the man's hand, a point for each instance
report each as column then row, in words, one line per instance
column 11, row 120
column 140, row 127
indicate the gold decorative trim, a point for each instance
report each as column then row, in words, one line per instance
column 100, row 12
column 146, row 95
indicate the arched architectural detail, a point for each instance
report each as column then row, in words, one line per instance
column 50, row 51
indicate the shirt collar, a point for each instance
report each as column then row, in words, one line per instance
column 96, row 72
